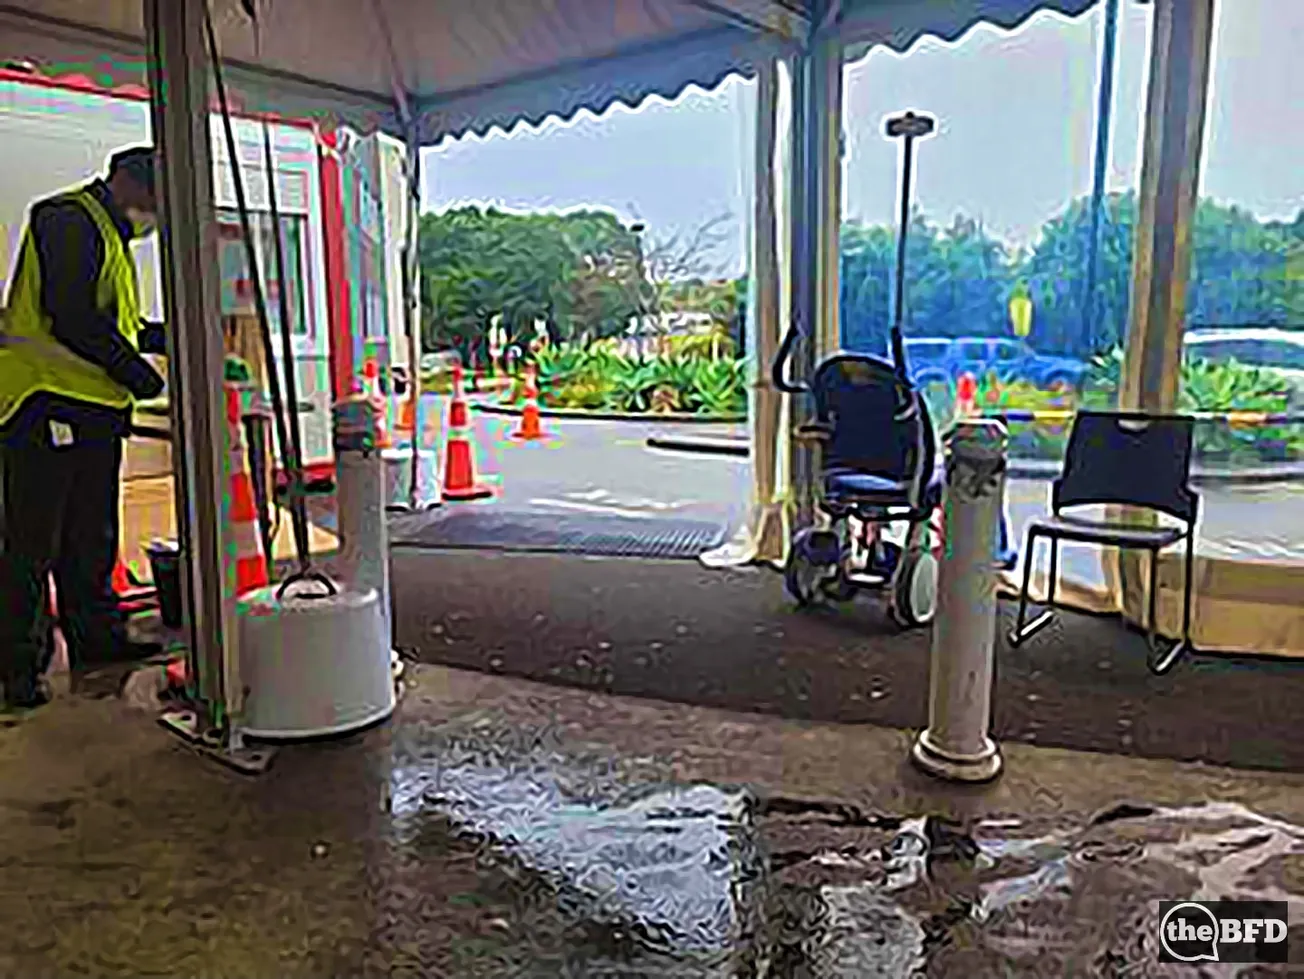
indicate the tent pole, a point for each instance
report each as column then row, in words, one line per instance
column 801, row 267
column 829, row 164
column 761, row 537
column 412, row 307
column 406, row 112
column 180, row 116
column 1099, row 174
column 814, row 99
column 767, row 405
column 1172, row 145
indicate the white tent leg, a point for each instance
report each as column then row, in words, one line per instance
column 1172, row 147
column 828, row 328
column 813, row 246
column 417, row 499
column 761, row 538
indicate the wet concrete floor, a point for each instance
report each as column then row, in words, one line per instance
column 497, row 827
column 675, row 631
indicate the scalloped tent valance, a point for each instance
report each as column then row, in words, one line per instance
column 455, row 67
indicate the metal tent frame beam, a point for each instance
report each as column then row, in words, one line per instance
column 191, row 299
column 787, row 20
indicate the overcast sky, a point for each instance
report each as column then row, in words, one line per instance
column 1016, row 118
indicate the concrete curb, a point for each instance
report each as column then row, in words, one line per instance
column 740, row 448
column 613, row 416
column 1018, row 468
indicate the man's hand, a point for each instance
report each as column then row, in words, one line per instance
column 142, row 380
column 152, row 338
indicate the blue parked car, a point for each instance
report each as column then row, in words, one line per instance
column 941, row 360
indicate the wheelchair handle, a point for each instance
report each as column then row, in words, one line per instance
column 910, row 410
column 815, row 432
column 778, row 371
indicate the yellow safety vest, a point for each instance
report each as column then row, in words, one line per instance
column 32, row 361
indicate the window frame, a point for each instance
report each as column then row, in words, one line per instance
column 295, row 230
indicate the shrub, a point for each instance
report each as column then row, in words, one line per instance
column 599, row 376
column 706, row 346
column 719, row 387
column 1205, row 387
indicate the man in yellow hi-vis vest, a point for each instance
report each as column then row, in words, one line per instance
column 71, row 370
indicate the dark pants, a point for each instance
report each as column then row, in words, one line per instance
column 58, row 516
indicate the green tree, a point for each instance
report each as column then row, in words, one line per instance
column 957, row 281
column 1055, row 271
column 1239, row 273
column 477, row 263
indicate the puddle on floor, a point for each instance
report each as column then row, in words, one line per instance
column 704, row 880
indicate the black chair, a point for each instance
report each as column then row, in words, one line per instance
column 1130, row 459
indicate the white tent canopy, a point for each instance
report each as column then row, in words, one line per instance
column 455, row 66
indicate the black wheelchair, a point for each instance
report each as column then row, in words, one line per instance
column 875, row 455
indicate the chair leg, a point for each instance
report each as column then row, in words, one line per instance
column 1030, row 552
column 1161, row 661
column 1022, row 631
column 1188, row 587
column 1152, row 599
column 1053, row 579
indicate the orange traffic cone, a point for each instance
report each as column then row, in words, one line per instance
column 175, row 673
column 371, row 378
column 247, row 541
column 133, row 595
column 407, row 415
column 371, row 388
column 459, row 465
column 121, row 578
column 530, row 428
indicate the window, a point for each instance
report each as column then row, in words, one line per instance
column 293, row 228
column 972, row 350
column 1269, row 353
column 1253, row 352
column 926, row 351
column 1280, row 354
column 1007, row 351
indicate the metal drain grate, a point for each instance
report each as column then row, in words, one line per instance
column 593, row 534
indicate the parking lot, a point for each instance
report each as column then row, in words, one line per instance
column 606, row 467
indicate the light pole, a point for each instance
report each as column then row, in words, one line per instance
column 640, row 300
column 1104, row 110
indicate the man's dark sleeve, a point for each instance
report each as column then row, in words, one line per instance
column 71, row 252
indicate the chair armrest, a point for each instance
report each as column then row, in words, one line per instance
column 815, row 432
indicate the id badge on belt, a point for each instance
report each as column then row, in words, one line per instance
column 61, row 435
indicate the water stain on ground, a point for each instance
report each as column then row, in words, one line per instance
column 707, row 880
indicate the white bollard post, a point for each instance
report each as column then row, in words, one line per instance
column 956, row 745
column 360, row 494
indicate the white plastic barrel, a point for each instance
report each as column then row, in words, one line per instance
column 398, row 477
column 315, row 662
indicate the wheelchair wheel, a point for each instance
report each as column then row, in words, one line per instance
column 914, row 590
column 812, row 561
column 838, row 587
column 803, row 579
